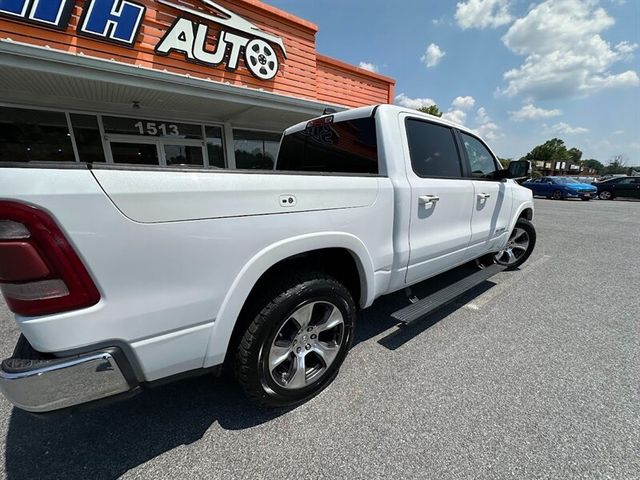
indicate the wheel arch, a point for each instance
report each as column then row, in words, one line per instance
column 525, row 210
column 296, row 252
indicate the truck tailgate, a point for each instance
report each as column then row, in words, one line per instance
column 151, row 196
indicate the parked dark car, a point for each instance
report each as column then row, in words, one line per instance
column 619, row 187
column 559, row 188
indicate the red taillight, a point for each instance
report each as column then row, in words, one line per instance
column 40, row 273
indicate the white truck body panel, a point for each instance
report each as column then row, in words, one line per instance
column 175, row 254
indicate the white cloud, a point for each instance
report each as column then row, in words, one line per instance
column 433, row 55
column 485, row 127
column 489, row 131
column 626, row 48
column 414, row 103
column 617, row 132
column 483, row 13
column 372, row 67
column 464, row 103
column 564, row 52
column 482, row 116
column 564, row 129
column 531, row 112
column 456, row 116
column 457, row 113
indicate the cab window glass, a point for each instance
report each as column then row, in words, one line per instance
column 433, row 150
column 480, row 158
column 342, row 147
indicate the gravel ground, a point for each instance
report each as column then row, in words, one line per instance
column 533, row 375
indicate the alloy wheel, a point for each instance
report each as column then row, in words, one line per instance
column 605, row 195
column 517, row 246
column 306, row 345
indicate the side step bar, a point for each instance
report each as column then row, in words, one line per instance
column 420, row 309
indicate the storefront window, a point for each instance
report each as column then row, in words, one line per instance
column 184, row 155
column 135, row 153
column 255, row 150
column 87, row 136
column 215, row 147
column 151, row 128
column 34, row 135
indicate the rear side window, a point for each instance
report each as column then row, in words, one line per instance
column 342, row 147
column 433, row 150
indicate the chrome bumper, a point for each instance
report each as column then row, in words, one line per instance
column 61, row 383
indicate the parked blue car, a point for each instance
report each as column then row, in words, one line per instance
column 560, row 188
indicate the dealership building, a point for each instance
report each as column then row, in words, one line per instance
column 190, row 83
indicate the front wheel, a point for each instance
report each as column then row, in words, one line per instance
column 295, row 345
column 557, row 195
column 519, row 247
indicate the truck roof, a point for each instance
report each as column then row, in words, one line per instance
column 367, row 111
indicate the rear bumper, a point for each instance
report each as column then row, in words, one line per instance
column 43, row 385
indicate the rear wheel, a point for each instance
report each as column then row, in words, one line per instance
column 557, row 195
column 295, row 345
column 605, row 195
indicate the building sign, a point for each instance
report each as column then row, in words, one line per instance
column 50, row 13
column 119, row 22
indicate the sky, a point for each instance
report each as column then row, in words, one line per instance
column 519, row 72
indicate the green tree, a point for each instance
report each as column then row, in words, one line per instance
column 595, row 164
column 505, row 162
column 431, row 110
column 575, row 155
column 553, row 150
column 617, row 165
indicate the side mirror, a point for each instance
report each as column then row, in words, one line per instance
column 519, row 169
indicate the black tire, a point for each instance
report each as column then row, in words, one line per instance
column 275, row 309
column 605, row 195
column 557, row 195
column 527, row 226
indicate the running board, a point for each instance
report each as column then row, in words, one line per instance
column 420, row 309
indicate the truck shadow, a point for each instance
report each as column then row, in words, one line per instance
column 109, row 441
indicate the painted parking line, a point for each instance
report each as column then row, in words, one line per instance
column 512, row 279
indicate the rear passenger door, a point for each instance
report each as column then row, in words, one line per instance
column 441, row 199
column 492, row 201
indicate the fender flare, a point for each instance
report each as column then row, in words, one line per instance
column 523, row 206
column 246, row 279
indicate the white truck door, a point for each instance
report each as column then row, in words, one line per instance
column 441, row 199
column 492, row 198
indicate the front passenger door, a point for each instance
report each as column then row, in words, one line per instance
column 492, row 198
column 441, row 199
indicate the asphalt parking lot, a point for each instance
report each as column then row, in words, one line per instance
column 535, row 374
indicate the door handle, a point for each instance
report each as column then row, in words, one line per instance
column 484, row 196
column 428, row 199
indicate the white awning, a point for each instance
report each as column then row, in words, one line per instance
column 47, row 78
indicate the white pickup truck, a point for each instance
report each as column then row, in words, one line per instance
column 120, row 276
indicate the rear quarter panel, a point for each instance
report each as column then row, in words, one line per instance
column 165, row 276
